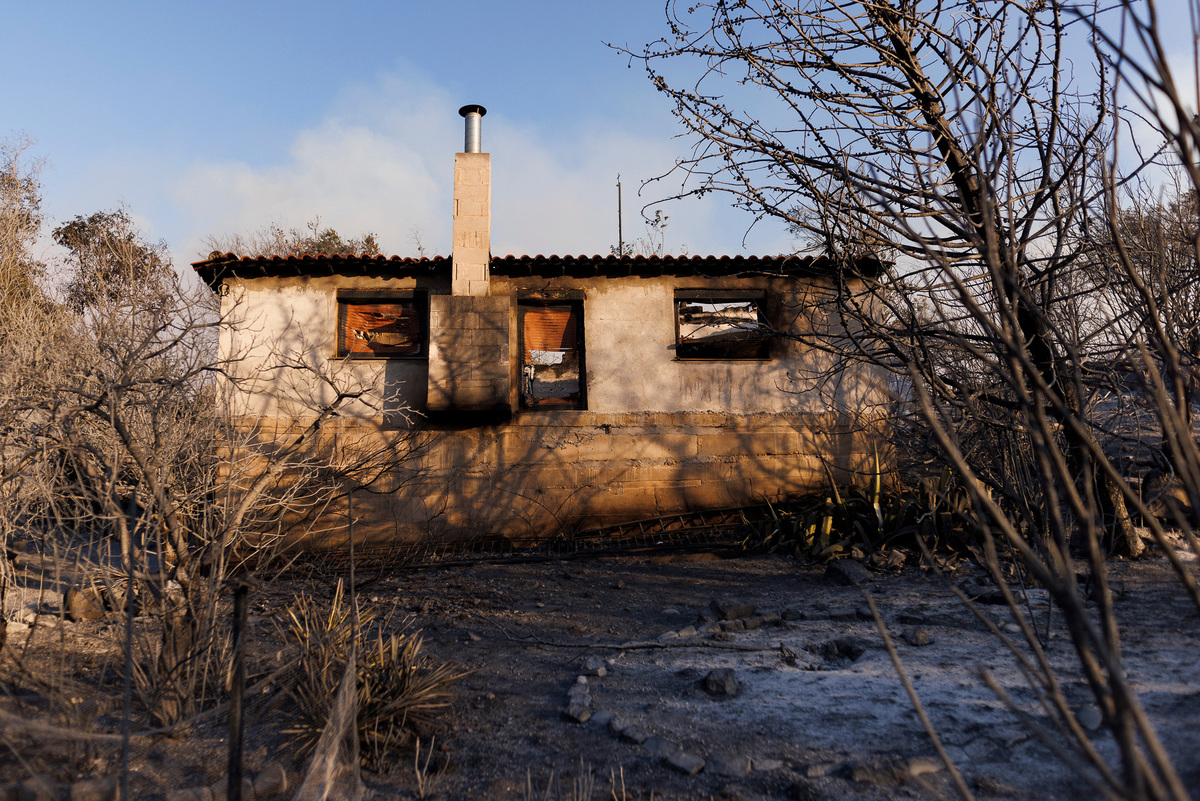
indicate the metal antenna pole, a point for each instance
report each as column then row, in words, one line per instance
column 620, row 232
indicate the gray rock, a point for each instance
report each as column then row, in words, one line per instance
column 720, row 682
column 847, row 573
column 727, row 765
column 843, row 649
column 1089, row 717
column 578, row 711
column 617, row 724
column 688, row 631
column 733, row 625
column 594, row 666
column 685, row 763
column 917, row 637
column 659, row 747
column 794, row 614
column 603, row 717
column 634, row 734
column 764, row 765
column 729, row 609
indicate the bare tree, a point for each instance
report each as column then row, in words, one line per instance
column 20, row 222
column 956, row 136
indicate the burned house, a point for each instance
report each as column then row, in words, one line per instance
column 555, row 393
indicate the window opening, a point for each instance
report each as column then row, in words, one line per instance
column 721, row 326
column 551, row 356
column 386, row 327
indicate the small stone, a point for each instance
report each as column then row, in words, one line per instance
column 818, row 769
column 659, row 747
column 578, row 711
column 688, row 631
column 917, row 637
column 28, row 616
column 752, row 623
column 729, row 609
column 729, row 766
column 16, row 627
column 473, row 637
column 670, row 610
column 594, row 666
column 634, row 734
column 104, row 789
column 685, row 763
column 620, row 585
column 1089, row 717
column 666, row 636
column 919, row 766
column 720, row 682
column 794, row 614
column 733, row 625
column 843, row 649
column 880, row 774
column 603, row 717
column 764, row 765
column 847, row 573
column 957, row 755
column 617, row 724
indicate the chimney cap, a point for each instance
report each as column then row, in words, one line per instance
column 465, row 110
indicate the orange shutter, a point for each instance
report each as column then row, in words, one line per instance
column 552, row 328
column 382, row 329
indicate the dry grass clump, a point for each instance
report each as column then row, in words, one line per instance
column 399, row 689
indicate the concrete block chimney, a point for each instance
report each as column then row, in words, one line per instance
column 472, row 243
column 471, row 350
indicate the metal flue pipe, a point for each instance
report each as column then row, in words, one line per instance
column 473, row 115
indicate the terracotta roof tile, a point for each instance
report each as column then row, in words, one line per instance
column 219, row 266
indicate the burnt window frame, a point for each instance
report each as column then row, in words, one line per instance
column 419, row 299
column 533, row 300
column 759, row 296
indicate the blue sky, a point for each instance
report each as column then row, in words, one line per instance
column 211, row 118
column 218, row 117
